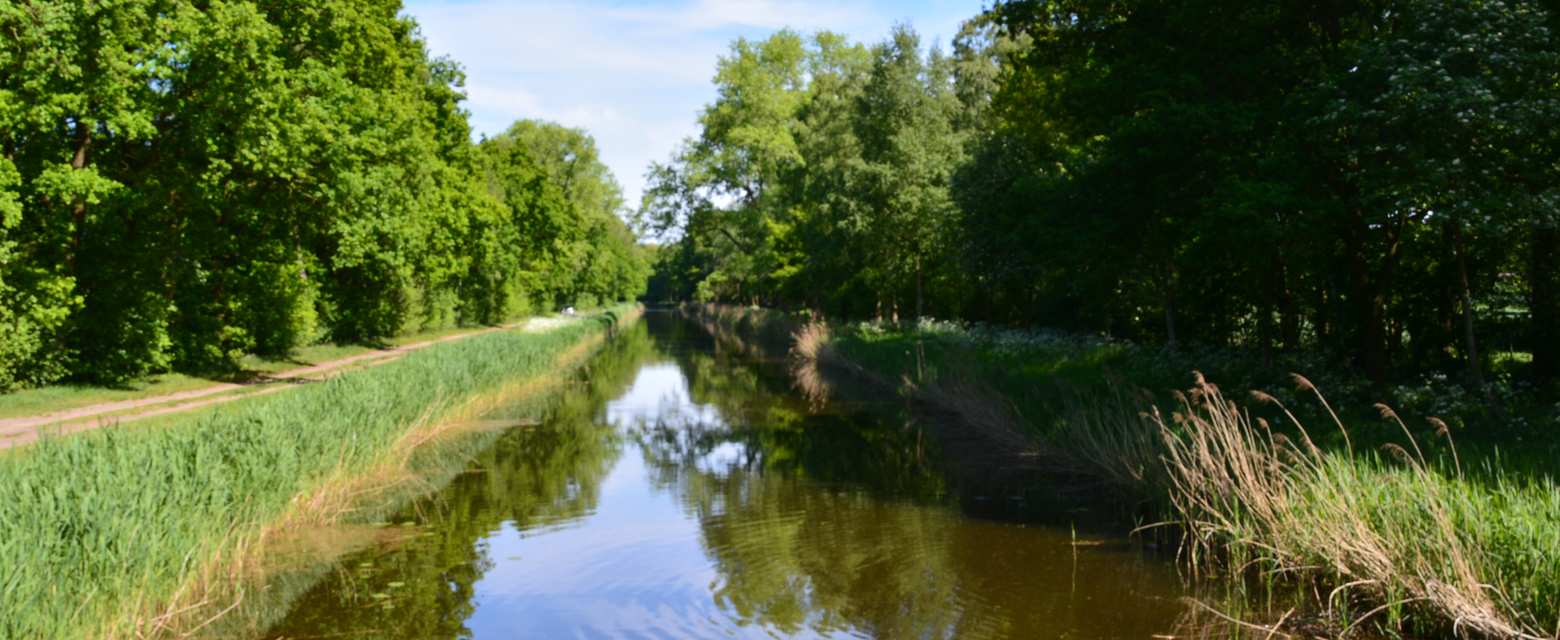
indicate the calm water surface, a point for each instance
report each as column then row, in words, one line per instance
column 683, row 490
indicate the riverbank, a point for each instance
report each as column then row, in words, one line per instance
column 61, row 402
column 1394, row 532
column 148, row 531
column 65, row 410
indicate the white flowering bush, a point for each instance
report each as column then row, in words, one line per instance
column 1017, row 360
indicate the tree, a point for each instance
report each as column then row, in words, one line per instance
column 184, row 183
column 909, row 150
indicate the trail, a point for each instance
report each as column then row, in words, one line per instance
column 23, row 430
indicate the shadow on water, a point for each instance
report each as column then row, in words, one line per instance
column 683, row 489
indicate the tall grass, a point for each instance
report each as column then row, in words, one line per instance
column 1388, row 538
column 1392, row 537
column 97, row 530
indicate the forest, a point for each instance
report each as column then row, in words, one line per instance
column 1378, row 181
column 184, row 183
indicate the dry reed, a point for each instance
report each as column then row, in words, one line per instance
column 1243, row 492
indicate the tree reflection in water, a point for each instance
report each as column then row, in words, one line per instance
column 684, row 490
column 830, row 524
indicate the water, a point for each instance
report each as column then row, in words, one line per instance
column 683, row 490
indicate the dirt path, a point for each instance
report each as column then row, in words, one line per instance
column 23, row 430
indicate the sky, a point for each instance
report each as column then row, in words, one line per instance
column 634, row 74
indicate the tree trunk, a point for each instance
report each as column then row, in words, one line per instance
column 1368, row 299
column 1288, row 316
column 1394, row 333
column 1171, row 338
column 1326, row 315
column 1451, row 299
column 1470, row 340
column 1265, row 334
column 1375, row 340
column 78, row 212
column 1543, row 339
column 920, row 299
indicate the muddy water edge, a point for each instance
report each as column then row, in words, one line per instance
column 681, row 487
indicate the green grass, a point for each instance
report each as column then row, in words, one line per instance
column 1394, row 539
column 62, row 397
column 97, row 526
column 1425, row 539
column 1043, row 374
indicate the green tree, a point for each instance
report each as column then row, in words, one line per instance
column 1479, row 75
column 902, row 205
column 184, row 183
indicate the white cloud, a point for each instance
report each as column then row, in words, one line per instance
column 552, row 37
column 501, row 98
column 635, row 75
column 591, row 116
column 704, row 15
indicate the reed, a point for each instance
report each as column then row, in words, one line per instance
column 1394, row 538
column 100, row 531
column 1389, row 538
column 809, row 354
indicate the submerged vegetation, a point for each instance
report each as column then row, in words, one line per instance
column 127, row 531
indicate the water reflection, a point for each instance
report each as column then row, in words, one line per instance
column 682, row 490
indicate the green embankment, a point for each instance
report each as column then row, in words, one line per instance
column 1387, row 526
column 100, row 531
column 66, row 396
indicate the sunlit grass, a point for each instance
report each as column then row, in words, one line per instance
column 1386, row 525
column 1393, row 538
column 63, row 397
column 97, row 528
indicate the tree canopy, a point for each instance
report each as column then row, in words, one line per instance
column 1374, row 179
column 182, row 183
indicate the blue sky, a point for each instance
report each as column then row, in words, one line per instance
column 634, row 74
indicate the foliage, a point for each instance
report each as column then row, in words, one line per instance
column 1373, row 181
column 183, row 183
column 585, row 252
column 1438, row 534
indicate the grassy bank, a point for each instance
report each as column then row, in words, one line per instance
column 1379, row 524
column 1044, row 372
column 65, row 396
column 100, row 532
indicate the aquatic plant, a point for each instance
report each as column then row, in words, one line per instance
column 1392, row 536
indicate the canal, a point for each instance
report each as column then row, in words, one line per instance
column 681, row 488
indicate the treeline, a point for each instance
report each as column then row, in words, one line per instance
column 1380, row 179
column 186, row 182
